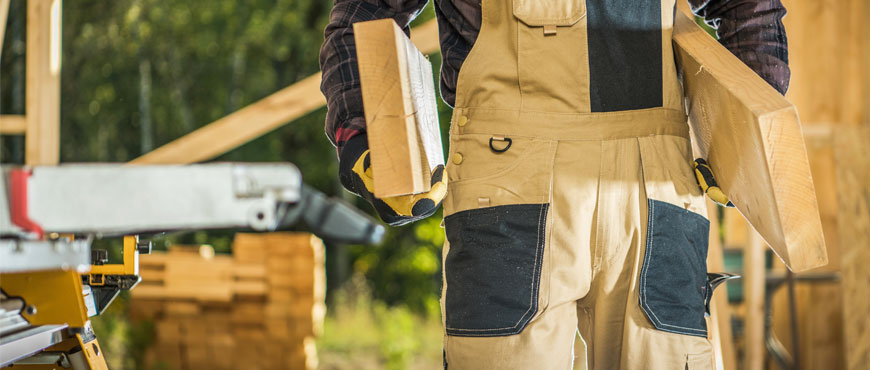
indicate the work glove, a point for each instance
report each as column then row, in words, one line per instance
column 355, row 173
column 708, row 184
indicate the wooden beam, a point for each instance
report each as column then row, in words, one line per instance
column 260, row 117
column 4, row 14
column 240, row 126
column 865, row 66
column 400, row 109
column 752, row 138
column 12, row 124
column 853, row 193
column 42, row 142
column 720, row 313
column 753, row 294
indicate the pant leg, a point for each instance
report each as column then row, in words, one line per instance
column 619, row 333
column 547, row 341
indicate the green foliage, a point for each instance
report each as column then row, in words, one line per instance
column 406, row 268
column 360, row 333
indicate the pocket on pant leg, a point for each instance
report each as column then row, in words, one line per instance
column 493, row 269
column 673, row 279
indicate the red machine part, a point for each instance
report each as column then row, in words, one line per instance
column 18, row 201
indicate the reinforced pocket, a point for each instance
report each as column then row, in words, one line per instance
column 673, row 280
column 493, row 269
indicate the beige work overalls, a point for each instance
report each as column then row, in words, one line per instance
column 572, row 205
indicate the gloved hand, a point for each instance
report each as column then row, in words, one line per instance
column 355, row 173
column 708, row 184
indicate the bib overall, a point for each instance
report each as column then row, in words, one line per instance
column 572, row 205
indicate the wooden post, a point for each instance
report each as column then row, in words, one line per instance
column 720, row 313
column 42, row 142
column 4, row 13
column 753, row 290
column 853, row 193
column 865, row 66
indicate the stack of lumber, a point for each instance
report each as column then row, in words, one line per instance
column 257, row 309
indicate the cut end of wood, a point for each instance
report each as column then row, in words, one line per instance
column 395, row 79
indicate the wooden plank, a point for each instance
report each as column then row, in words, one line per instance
column 720, row 333
column 249, row 271
column 199, row 293
column 11, row 124
column 257, row 118
column 753, row 290
column 824, row 47
column 821, row 330
column 400, row 110
column 4, row 13
column 751, row 136
column 865, row 66
column 182, row 309
column 249, row 288
column 42, row 93
column 853, row 193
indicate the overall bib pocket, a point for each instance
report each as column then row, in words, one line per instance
column 541, row 13
column 673, row 283
column 542, row 27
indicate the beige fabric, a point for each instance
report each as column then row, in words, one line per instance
column 596, row 171
column 597, row 190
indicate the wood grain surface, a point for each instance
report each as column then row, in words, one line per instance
column 752, row 138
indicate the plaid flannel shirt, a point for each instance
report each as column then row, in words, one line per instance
column 751, row 29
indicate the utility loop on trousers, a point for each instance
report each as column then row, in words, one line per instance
column 500, row 138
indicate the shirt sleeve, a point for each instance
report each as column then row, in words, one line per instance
column 753, row 31
column 340, row 80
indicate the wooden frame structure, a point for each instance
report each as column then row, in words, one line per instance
column 41, row 122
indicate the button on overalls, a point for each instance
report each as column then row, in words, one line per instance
column 572, row 204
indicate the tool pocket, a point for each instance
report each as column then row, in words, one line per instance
column 493, row 269
column 541, row 13
column 552, row 33
column 673, row 283
column 673, row 280
column 496, row 226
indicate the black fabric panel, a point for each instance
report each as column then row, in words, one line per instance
column 673, row 279
column 625, row 54
column 493, row 269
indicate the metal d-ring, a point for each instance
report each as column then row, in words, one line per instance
column 509, row 142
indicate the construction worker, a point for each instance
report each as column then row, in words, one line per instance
column 572, row 204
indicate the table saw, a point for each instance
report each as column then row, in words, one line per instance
column 52, row 281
